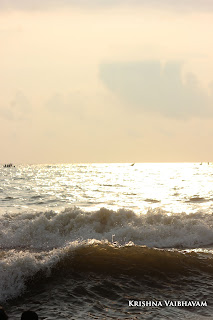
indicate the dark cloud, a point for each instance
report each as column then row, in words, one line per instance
column 152, row 87
column 189, row 5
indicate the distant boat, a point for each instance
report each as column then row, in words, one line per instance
column 9, row 165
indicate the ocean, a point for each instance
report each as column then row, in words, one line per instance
column 107, row 241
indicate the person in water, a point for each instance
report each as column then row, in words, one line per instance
column 3, row 315
column 29, row 315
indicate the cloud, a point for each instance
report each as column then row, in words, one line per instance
column 152, row 87
column 189, row 5
column 19, row 108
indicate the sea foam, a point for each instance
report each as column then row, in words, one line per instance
column 155, row 228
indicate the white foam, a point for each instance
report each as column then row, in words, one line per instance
column 16, row 267
column 36, row 241
column 47, row 230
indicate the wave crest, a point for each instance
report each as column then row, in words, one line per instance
column 20, row 268
column 155, row 228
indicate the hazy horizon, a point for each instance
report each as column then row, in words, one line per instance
column 104, row 163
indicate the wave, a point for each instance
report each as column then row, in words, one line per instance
column 135, row 260
column 155, row 228
column 34, row 244
column 8, row 198
column 19, row 268
column 197, row 199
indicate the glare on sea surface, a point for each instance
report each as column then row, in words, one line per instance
column 172, row 187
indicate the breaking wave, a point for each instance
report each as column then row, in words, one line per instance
column 155, row 228
column 119, row 242
column 19, row 268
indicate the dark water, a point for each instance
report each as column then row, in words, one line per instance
column 97, row 281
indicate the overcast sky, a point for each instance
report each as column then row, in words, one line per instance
column 106, row 81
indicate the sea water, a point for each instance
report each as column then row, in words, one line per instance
column 107, row 241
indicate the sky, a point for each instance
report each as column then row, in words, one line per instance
column 106, row 81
